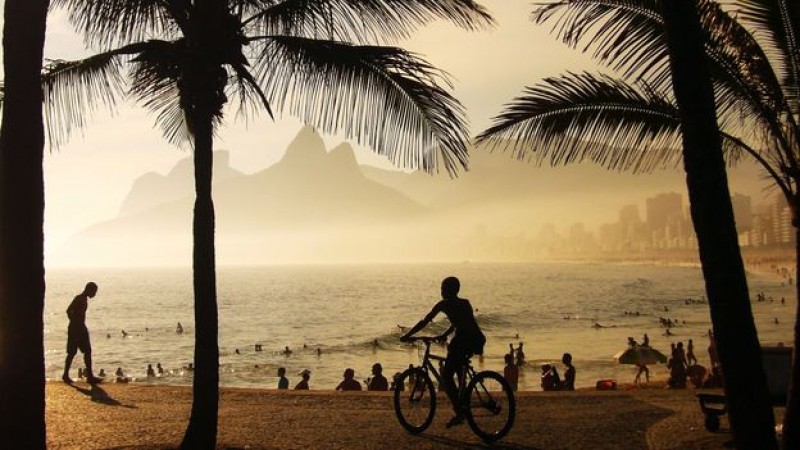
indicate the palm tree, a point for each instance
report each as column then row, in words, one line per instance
column 754, row 65
column 311, row 58
column 751, row 417
column 21, row 228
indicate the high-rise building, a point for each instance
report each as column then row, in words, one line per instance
column 660, row 208
column 742, row 211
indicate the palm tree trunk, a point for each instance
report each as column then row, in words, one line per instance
column 750, row 413
column 22, row 283
column 791, row 418
column 201, row 432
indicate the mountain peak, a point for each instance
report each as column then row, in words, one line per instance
column 306, row 148
column 343, row 156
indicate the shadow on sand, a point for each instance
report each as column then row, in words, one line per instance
column 455, row 443
column 99, row 395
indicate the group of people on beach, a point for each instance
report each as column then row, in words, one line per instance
column 302, row 385
column 377, row 382
column 467, row 341
column 683, row 365
column 551, row 381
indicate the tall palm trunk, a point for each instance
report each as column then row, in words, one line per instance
column 22, row 283
column 750, row 412
column 201, row 432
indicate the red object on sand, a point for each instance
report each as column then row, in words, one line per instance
column 606, row 385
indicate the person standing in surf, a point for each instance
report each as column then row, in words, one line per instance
column 78, row 334
column 468, row 340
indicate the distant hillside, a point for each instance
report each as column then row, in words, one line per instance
column 320, row 206
column 309, row 193
column 153, row 189
column 496, row 177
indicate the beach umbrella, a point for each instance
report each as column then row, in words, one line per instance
column 640, row 355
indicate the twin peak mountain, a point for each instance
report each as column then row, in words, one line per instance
column 309, row 186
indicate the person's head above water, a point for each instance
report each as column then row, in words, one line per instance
column 450, row 287
column 91, row 289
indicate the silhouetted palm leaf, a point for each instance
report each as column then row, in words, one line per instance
column 364, row 21
column 73, row 89
column 564, row 120
column 627, row 35
column 777, row 22
column 115, row 23
column 389, row 98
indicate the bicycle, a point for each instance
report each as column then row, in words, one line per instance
column 487, row 398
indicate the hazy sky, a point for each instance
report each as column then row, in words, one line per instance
column 87, row 179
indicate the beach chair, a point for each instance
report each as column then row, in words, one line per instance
column 777, row 367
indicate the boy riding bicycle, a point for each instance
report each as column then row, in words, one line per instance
column 468, row 340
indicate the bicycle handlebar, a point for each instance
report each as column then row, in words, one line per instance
column 425, row 339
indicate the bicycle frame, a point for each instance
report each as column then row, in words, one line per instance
column 464, row 375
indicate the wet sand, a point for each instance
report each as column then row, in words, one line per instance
column 123, row 416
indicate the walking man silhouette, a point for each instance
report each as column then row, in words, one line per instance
column 78, row 334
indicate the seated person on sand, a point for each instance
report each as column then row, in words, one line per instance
column 283, row 382
column 302, row 385
column 511, row 371
column 568, row 383
column 378, row 381
column 349, row 383
column 151, row 373
column 697, row 375
column 550, row 379
column 121, row 378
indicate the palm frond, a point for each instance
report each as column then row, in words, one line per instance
column 73, row 89
column 383, row 97
column 582, row 117
column 777, row 26
column 364, row 21
column 627, row 35
column 245, row 9
column 114, row 23
column 249, row 92
column 155, row 77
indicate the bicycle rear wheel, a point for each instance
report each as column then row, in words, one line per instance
column 491, row 407
column 415, row 404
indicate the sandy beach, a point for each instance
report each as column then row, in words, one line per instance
column 125, row 416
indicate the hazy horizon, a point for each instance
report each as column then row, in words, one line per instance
column 88, row 179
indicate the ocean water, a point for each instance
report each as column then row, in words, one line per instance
column 352, row 316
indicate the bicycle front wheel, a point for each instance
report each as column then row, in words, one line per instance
column 414, row 400
column 491, row 407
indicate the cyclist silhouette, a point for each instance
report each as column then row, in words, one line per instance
column 468, row 339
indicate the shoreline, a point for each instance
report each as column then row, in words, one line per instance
column 126, row 416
